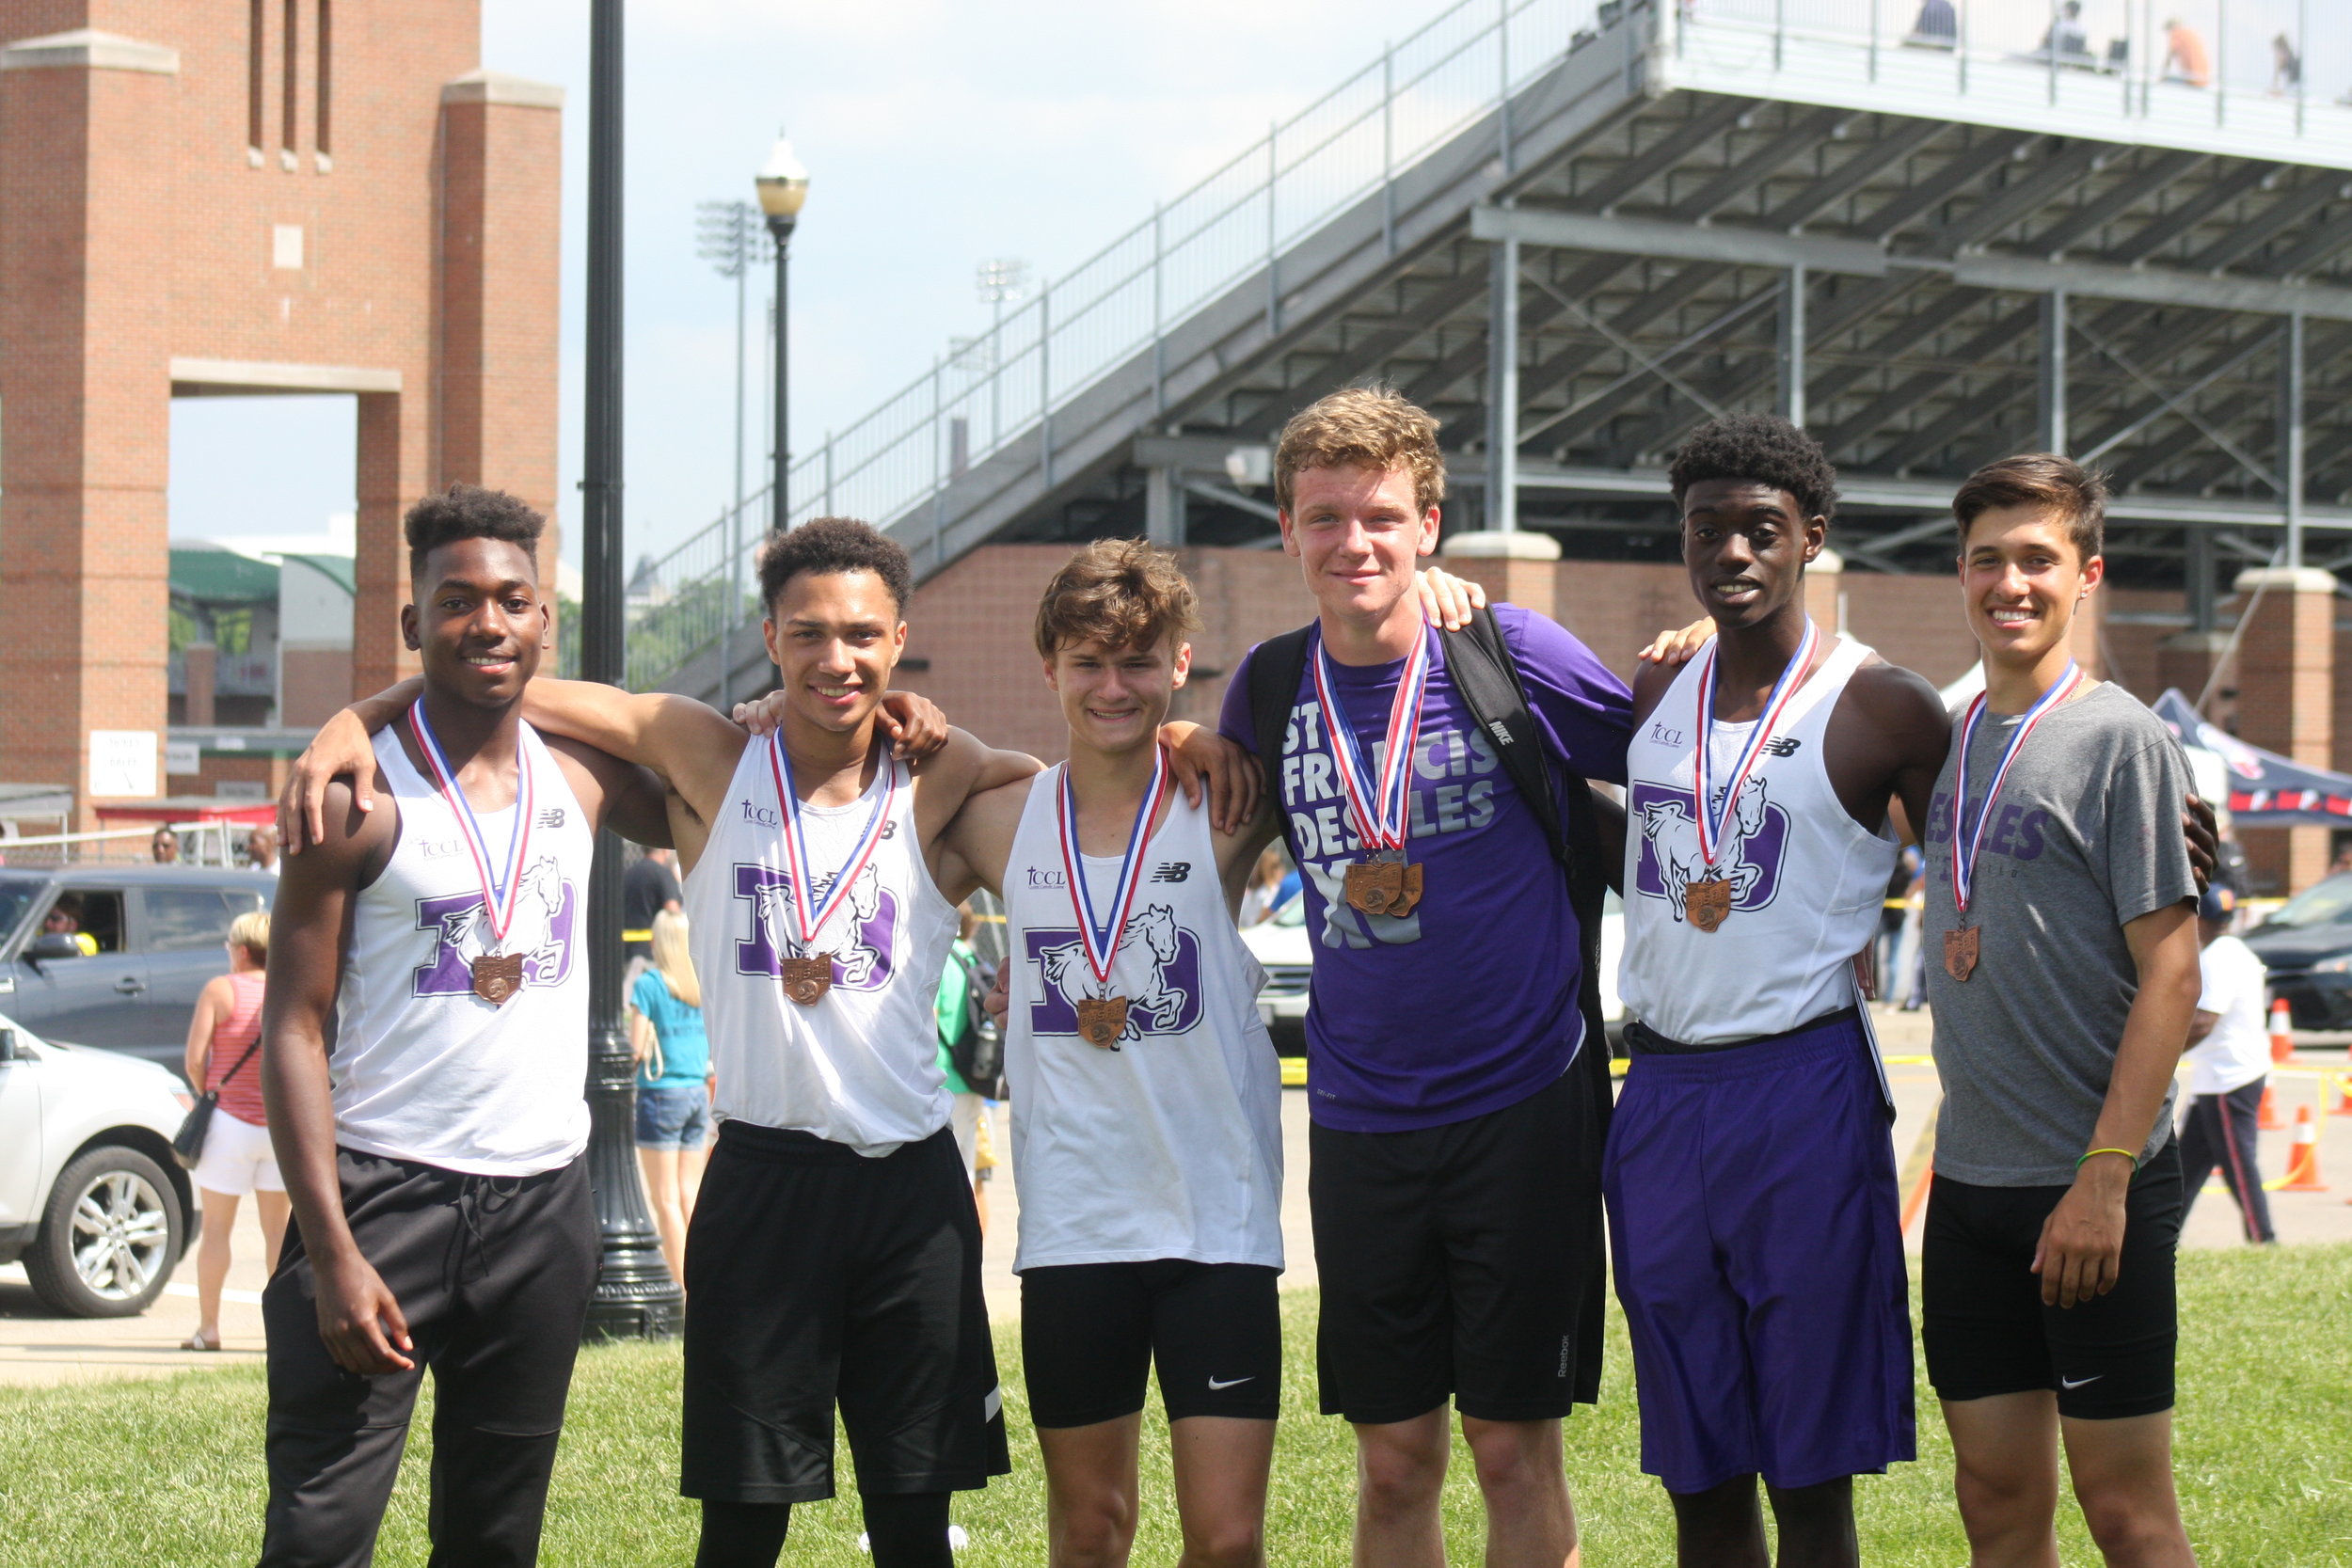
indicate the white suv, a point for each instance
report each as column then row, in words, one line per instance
column 91, row 1201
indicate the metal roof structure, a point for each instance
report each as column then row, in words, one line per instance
column 1575, row 232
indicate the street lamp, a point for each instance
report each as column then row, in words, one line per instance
column 783, row 185
column 634, row 1295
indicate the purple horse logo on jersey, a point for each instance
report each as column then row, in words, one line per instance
column 870, row 918
column 547, row 912
column 1170, row 1004
column 1756, row 835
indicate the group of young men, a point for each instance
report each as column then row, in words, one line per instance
column 1431, row 767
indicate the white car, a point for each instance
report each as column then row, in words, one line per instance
column 91, row 1201
column 1287, row 954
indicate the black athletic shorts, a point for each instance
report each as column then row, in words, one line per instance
column 1987, row 1332
column 1090, row 1334
column 815, row 1275
column 1463, row 1260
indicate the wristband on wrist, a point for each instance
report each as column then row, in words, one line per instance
column 2125, row 1152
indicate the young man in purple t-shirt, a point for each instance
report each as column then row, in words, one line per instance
column 1455, row 1176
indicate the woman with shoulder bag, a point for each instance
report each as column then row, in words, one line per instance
column 224, row 1060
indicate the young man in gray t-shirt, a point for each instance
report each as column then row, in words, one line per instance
column 2062, row 967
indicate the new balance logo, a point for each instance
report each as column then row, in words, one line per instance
column 1782, row 746
column 1171, row 871
column 551, row 818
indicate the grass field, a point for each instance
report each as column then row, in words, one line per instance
column 170, row 1473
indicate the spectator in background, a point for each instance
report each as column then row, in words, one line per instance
column 2066, row 38
column 224, row 1045
column 1273, row 882
column 2185, row 58
column 1937, row 26
column 2286, row 67
column 2343, row 861
column 961, row 989
column 673, row 1052
column 1892, row 908
column 260, row 850
column 648, row 888
column 65, row 919
column 2229, row 1061
column 165, row 845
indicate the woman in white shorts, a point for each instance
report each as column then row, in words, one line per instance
column 224, row 1056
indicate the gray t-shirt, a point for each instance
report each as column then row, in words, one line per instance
column 2085, row 838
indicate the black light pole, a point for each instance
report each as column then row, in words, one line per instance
column 782, row 187
column 635, row 1296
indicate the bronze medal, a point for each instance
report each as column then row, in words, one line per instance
column 1102, row 1020
column 806, row 980
column 1385, row 884
column 497, row 976
column 1960, row 953
column 1708, row 904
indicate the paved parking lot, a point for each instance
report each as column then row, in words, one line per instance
column 39, row 1347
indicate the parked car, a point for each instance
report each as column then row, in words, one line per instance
column 127, row 980
column 91, row 1201
column 2306, row 946
column 1286, row 952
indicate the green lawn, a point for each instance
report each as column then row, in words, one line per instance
column 170, row 1472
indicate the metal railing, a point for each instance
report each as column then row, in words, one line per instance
column 1002, row 387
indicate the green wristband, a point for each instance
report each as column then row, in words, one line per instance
column 2125, row 1152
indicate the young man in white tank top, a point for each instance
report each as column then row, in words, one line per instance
column 433, row 1154
column 1750, row 1177
column 1146, row 1132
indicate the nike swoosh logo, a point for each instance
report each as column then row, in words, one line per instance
column 1215, row 1387
column 2078, row 1382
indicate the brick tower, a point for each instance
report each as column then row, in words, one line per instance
column 237, row 197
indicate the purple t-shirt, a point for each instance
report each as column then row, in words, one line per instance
column 1467, row 1004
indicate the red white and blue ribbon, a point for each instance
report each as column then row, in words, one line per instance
column 808, row 913
column 1378, row 808
column 1711, row 819
column 498, row 894
column 1102, row 941
column 1964, row 866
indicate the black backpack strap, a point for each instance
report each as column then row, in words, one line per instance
column 1276, row 667
column 1483, row 670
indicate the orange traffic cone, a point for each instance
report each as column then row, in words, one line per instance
column 2343, row 1095
column 2303, row 1159
column 2282, row 1030
column 2266, row 1115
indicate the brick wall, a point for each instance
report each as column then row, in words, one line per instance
column 135, row 228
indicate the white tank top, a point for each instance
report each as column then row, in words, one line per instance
column 1806, row 879
column 423, row 1069
column 1170, row 1146
column 860, row 1066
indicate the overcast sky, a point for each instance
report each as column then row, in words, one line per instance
column 937, row 134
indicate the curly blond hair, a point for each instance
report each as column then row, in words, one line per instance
column 1372, row 427
column 1119, row 593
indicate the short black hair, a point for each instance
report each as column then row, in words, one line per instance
column 1762, row 448
column 825, row 545
column 470, row 511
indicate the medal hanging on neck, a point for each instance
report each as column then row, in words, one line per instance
column 1385, row 881
column 497, row 976
column 1963, row 945
column 806, row 975
column 1707, row 901
column 1102, row 1017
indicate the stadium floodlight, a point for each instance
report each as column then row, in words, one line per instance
column 728, row 236
column 783, row 186
column 1003, row 280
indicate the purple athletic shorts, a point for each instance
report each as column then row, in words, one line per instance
column 1753, row 1230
